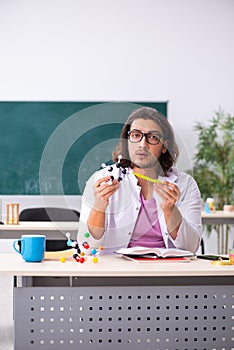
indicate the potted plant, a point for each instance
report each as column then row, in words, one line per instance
column 214, row 160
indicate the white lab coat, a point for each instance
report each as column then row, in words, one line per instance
column 124, row 206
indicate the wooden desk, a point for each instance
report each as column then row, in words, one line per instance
column 119, row 304
column 57, row 230
column 221, row 219
column 110, row 266
column 52, row 230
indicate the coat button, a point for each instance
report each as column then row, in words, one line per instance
column 137, row 208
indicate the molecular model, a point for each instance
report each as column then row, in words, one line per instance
column 110, row 169
column 80, row 255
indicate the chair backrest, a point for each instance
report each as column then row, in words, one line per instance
column 49, row 214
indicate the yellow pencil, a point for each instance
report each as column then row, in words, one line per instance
column 148, row 178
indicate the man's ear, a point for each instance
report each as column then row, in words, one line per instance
column 165, row 145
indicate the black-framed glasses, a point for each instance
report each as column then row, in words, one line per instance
column 152, row 137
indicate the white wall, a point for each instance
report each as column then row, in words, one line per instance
column 124, row 50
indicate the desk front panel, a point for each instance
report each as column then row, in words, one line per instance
column 144, row 313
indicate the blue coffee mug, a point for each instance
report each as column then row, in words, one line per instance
column 31, row 247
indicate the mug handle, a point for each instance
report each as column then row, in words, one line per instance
column 14, row 245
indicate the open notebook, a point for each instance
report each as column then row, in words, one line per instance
column 155, row 254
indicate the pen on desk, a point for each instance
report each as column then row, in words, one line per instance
column 148, row 178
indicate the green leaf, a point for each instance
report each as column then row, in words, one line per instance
column 214, row 158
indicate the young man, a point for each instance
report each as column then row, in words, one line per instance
column 138, row 211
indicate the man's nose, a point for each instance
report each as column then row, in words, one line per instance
column 143, row 141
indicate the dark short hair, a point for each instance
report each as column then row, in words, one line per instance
column 167, row 159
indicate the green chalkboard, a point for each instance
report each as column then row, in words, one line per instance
column 52, row 148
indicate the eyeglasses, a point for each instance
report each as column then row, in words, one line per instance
column 153, row 138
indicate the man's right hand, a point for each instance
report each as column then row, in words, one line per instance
column 104, row 188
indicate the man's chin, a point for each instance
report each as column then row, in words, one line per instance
column 143, row 166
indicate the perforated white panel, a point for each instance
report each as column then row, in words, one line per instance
column 139, row 318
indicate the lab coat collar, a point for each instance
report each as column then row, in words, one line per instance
column 173, row 175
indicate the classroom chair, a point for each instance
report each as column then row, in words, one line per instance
column 50, row 214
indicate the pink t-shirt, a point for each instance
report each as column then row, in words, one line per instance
column 147, row 231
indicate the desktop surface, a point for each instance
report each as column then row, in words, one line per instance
column 109, row 265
